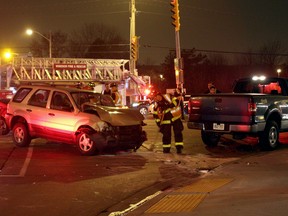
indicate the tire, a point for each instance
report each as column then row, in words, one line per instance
column 85, row 144
column 3, row 127
column 269, row 139
column 143, row 111
column 210, row 139
column 20, row 135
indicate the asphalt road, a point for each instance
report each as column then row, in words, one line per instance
column 53, row 179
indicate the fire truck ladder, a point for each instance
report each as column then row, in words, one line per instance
column 57, row 70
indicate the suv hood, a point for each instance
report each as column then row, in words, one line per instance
column 117, row 116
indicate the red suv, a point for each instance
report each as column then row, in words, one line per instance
column 3, row 109
column 5, row 94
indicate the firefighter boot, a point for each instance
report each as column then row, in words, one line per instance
column 166, row 150
column 179, row 149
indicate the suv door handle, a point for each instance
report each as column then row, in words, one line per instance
column 51, row 114
column 28, row 110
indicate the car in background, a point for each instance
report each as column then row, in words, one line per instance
column 6, row 94
column 144, row 106
column 3, row 110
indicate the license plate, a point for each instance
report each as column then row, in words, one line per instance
column 218, row 126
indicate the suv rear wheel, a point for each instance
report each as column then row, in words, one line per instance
column 86, row 145
column 21, row 135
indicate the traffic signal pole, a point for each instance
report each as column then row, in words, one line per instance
column 178, row 61
column 133, row 52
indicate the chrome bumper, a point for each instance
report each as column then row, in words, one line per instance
column 232, row 128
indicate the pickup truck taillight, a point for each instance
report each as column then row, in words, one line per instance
column 252, row 108
column 193, row 105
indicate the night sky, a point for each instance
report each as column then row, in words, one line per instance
column 223, row 25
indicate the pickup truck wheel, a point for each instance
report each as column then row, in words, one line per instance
column 210, row 139
column 3, row 127
column 86, row 145
column 269, row 139
column 20, row 135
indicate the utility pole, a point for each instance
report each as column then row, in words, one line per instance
column 133, row 40
column 178, row 61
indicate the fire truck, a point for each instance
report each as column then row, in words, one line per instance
column 74, row 72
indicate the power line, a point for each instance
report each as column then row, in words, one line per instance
column 215, row 51
column 169, row 48
column 241, row 53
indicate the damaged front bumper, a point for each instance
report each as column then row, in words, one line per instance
column 123, row 138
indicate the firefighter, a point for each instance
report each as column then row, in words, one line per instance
column 116, row 96
column 167, row 114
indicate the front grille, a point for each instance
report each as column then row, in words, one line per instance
column 128, row 135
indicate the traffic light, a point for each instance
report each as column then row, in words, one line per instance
column 175, row 16
column 134, row 47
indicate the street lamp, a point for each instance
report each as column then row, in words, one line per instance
column 279, row 71
column 30, row 32
column 8, row 55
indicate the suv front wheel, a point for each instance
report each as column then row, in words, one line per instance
column 86, row 145
column 21, row 135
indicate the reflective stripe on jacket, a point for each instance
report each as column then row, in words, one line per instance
column 162, row 113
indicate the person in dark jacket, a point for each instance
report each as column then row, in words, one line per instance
column 167, row 114
column 107, row 90
column 116, row 96
column 209, row 85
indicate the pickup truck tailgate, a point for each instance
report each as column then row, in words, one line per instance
column 221, row 108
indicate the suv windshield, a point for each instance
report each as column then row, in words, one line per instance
column 91, row 97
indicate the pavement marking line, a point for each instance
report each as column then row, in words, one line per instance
column 26, row 162
column 188, row 198
column 134, row 206
column 24, row 168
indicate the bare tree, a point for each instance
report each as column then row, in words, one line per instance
column 248, row 58
column 97, row 41
column 271, row 53
column 59, row 44
column 217, row 59
column 40, row 46
column 191, row 58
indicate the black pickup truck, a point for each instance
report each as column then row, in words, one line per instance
column 257, row 107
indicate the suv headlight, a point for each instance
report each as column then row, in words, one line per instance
column 103, row 126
